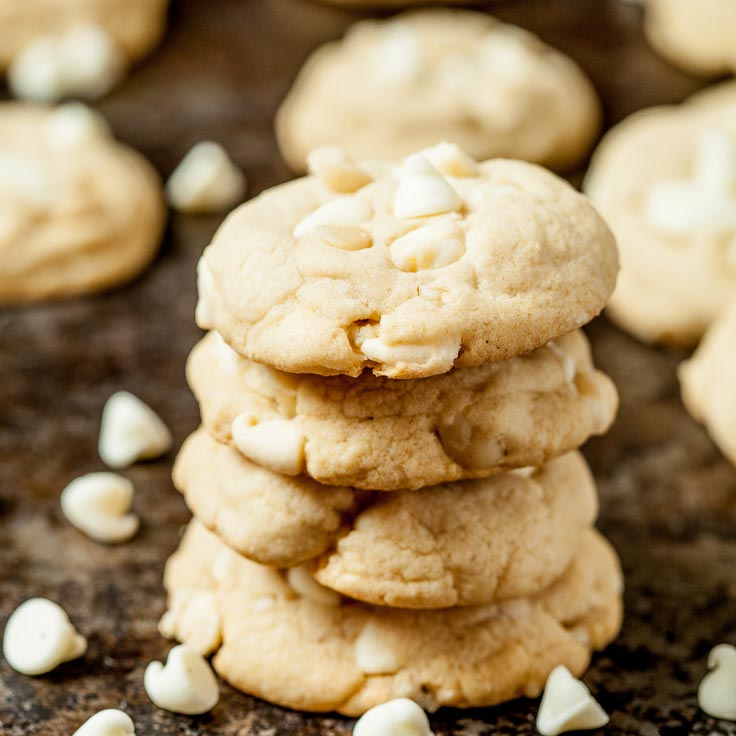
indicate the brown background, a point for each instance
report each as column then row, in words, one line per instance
column 668, row 496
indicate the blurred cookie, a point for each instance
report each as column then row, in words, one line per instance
column 665, row 181
column 393, row 86
column 310, row 652
column 79, row 212
column 697, row 35
column 708, row 382
column 406, row 270
column 455, row 544
column 467, row 423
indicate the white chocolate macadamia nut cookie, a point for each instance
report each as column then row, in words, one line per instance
column 437, row 262
column 697, row 35
column 305, row 654
column 708, row 382
column 665, row 180
column 374, row 433
column 393, row 86
column 79, row 212
column 454, row 544
column 135, row 25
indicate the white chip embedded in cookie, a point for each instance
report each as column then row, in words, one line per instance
column 390, row 87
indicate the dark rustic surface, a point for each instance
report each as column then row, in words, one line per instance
column 669, row 499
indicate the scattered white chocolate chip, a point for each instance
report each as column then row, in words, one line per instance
column 74, row 124
column 399, row 717
column 399, row 58
column 372, row 655
column 343, row 210
column 567, row 705
column 276, row 444
column 434, row 245
column 568, row 362
column 444, row 354
column 206, row 180
column 131, row 431
column 84, row 60
column 185, row 684
column 108, row 722
column 98, row 504
column 39, row 636
column 344, row 237
column 422, row 190
column 717, row 690
column 336, row 169
column 469, row 447
column 450, row 160
column 302, row 582
column 205, row 287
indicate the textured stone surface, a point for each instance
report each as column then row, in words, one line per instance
column 669, row 498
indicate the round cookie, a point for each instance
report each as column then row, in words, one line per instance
column 457, row 544
column 310, row 654
column 136, row 25
column 79, row 212
column 393, row 86
column 697, row 36
column 468, row 423
column 708, row 385
column 664, row 180
column 408, row 271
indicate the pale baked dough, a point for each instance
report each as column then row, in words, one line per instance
column 533, row 261
column 671, row 286
column 380, row 434
column 708, row 382
column 296, row 652
column 136, row 25
column 392, row 86
column 79, row 212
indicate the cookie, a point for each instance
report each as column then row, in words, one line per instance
column 136, row 25
column 414, row 270
column 707, row 380
column 468, row 423
column 697, row 36
column 664, row 180
column 79, row 212
column 393, row 86
column 344, row 656
column 455, row 544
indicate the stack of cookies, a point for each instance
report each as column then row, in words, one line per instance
column 387, row 495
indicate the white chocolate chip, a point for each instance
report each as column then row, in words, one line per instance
column 399, row 717
column 131, row 431
column 339, row 211
column 717, row 690
column 372, row 655
column 336, row 169
column 276, row 444
column 344, row 237
column 422, row 190
column 205, row 286
column 444, row 354
column 109, row 722
column 74, row 124
column 469, row 447
column 567, row 705
column 206, row 180
column 39, row 636
column 450, row 160
column 525, row 472
column 98, row 504
column 302, row 582
column 434, row 245
column 84, row 60
column 185, row 684
column 568, row 362
column 399, row 58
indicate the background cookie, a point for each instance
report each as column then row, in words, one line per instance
column 80, row 212
column 136, row 25
column 708, row 385
column 455, row 544
column 695, row 35
column 309, row 280
column 406, row 434
column 391, row 87
column 663, row 179
column 307, row 655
